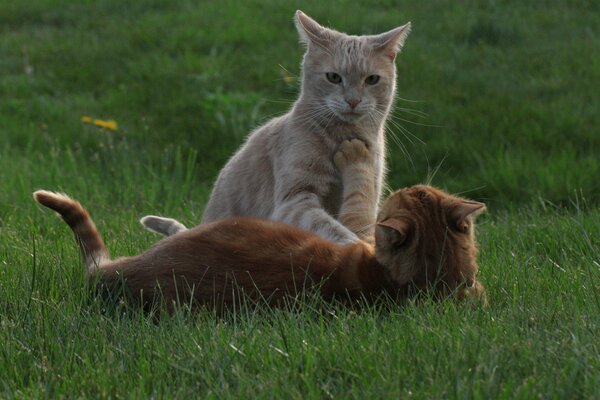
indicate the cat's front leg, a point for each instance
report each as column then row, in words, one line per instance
column 305, row 211
column 358, row 212
column 302, row 181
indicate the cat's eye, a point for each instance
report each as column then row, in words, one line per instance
column 333, row 77
column 372, row 79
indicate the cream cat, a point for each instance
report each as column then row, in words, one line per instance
column 285, row 170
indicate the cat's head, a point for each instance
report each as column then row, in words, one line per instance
column 349, row 78
column 426, row 237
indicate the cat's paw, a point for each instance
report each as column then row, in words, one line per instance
column 351, row 152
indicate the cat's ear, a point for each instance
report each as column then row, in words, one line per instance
column 465, row 210
column 391, row 42
column 310, row 31
column 392, row 231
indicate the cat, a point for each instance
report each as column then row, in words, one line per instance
column 424, row 238
column 284, row 171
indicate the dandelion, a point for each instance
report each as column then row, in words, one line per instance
column 106, row 124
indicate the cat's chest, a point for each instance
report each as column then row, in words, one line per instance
column 332, row 201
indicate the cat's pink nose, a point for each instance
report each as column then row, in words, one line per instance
column 352, row 103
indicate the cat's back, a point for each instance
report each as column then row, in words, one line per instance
column 245, row 185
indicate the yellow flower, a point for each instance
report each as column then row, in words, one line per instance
column 106, row 124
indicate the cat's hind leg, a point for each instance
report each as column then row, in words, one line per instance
column 161, row 225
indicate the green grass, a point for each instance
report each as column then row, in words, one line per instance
column 509, row 90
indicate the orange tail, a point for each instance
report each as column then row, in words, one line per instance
column 92, row 247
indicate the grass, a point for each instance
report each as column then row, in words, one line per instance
column 511, row 120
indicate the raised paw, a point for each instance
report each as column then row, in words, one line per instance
column 350, row 152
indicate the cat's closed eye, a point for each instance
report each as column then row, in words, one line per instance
column 333, row 77
column 372, row 79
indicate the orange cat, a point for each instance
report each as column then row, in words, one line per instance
column 424, row 237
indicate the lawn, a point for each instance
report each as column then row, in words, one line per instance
column 497, row 101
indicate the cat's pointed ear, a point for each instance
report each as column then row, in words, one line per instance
column 465, row 210
column 392, row 230
column 310, row 31
column 391, row 42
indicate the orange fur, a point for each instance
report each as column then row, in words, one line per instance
column 211, row 264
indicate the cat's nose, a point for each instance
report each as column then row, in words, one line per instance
column 353, row 103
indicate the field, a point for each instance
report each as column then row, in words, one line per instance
column 498, row 101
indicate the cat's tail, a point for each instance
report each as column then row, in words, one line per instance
column 93, row 249
column 163, row 226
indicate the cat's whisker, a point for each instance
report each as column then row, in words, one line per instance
column 400, row 145
column 411, row 111
column 280, row 101
column 470, row 190
column 310, row 117
column 331, row 118
column 408, row 100
column 394, row 137
column 392, row 134
column 403, row 149
column 401, row 129
column 323, row 117
column 407, row 134
column 432, row 174
column 319, row 115
column 315, row 109
column 387, row 188
column 415, row 122
column 287, row 71
column 315, row 116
